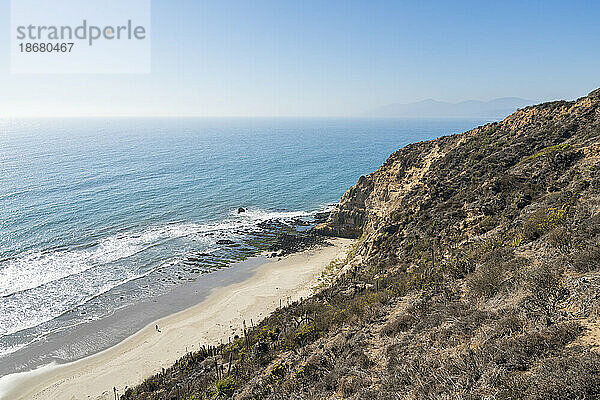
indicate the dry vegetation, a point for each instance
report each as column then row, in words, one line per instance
column 479, row 282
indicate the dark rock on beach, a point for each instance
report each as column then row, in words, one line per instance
column 321, row 217
column 300, row 222
column 288, row 243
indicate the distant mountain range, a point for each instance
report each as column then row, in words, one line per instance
column 430, row 108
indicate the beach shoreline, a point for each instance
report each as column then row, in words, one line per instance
column 216, row 318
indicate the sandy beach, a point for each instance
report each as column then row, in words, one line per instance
column 145, row 353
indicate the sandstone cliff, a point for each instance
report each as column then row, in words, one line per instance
column 465, row 184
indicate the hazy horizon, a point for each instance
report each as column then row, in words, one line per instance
column 339, row 59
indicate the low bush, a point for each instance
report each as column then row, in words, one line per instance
column 572, row 374
column 520, row 352
column 402, row 323
column 543, row 221
column 487, row 280
column 586, row 259
column 560, row 238
column 546, row 290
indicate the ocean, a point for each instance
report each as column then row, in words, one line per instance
column 100, row 216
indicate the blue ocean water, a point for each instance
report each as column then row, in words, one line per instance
column 96, row 214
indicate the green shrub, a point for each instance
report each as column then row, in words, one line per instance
column 543, row 221
column 488, row 223
column 549, row 151
column 224, row 388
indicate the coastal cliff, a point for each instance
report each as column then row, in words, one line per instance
column 464, row 185
column 475, row 274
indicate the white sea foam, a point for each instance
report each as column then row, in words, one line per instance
column 259, row 215
column 39, row 268
column 41, row 286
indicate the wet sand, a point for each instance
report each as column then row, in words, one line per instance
column 217, row 317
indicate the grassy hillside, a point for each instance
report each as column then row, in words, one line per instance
column 475, row 275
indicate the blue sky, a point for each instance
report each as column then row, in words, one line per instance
column 329, row 58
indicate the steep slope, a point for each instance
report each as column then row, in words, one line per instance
column 463, row 184
column 475, row 275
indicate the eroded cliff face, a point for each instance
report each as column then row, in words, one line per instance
column 452, row 185
column 348, row 218
column 475, row 274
